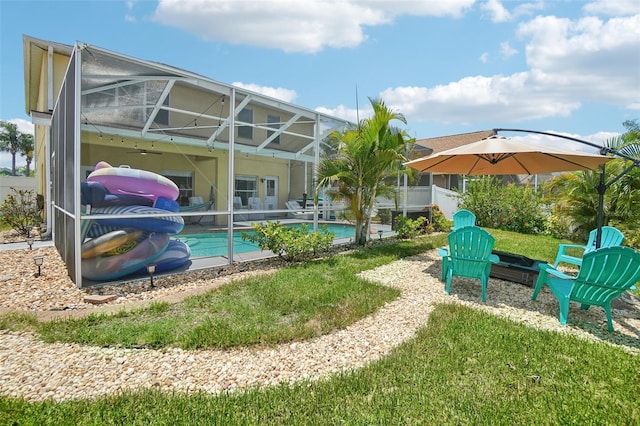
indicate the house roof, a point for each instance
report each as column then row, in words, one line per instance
column 443, row 143
column 33, row 49
column 122, row 96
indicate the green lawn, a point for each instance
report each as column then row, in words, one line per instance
column 464, row 367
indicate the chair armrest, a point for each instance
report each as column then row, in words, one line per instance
column 443, row 251
column 553, row 271
column 563, row 247
column 494, row 258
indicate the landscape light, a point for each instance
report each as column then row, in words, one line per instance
column 151, row 268
column 380, row 231
column 38, row 260
column 30, row 241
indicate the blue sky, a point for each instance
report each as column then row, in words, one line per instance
column 454, row 66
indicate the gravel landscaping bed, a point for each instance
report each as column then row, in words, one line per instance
column 38, row 371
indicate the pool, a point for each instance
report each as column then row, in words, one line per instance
column 215, row 243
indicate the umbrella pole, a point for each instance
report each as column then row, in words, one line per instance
column 602, row 188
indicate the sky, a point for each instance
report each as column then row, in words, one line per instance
column 570, row 67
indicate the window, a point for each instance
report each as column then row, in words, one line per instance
column 273, row 121
column 245, row 116
column 184, row 180
column 246, row 187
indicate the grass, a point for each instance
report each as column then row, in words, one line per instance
column 295, row 303
column 464, row 367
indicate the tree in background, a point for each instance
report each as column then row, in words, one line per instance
column 25, row 148
column 15, row 142
column 575, row 195
column 365, row 156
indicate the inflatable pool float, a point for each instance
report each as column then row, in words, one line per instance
column 109, row 241
column 168, row 224
column 125, row 260
column 124, row 180
column 174, row 256
column 97, row 195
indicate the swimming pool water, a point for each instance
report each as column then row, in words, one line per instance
column 215, row 243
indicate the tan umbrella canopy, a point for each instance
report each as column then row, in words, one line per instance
column 497, row 155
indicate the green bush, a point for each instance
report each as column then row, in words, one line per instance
column 409, row 228
column 509, row 207
column 439, row 223
column 20, row 211
column 291, row 244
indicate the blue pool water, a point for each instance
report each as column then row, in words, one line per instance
column 215, row 243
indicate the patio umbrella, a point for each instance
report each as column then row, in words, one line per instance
column 497, row 155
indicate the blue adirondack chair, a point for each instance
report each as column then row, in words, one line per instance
column 463, row 218
column 605, row 274
column 469, row 255
column 610, row 237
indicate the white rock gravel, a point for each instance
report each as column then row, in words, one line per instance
column 38, row 371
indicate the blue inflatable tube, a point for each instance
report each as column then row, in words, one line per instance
column 168, row 224
column 176, row 254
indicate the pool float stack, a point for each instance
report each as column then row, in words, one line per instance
column 116, row 247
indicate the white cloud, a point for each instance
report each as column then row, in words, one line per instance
column 496, row 10
column 613, row 8
column 571, row 63
column 498, row 13
column 587, row 58
column 283, row 94
column 345, row 113
column 24, row 126
column 286, row 25
column 484, row 58
column 506, row 50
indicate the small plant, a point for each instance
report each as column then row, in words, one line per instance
column 291, row 244
column 410, row 228
column 20, row 211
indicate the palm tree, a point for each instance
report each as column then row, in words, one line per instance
column 366, row 155
column 576, row 195
column 9, row 141
column 25, row 148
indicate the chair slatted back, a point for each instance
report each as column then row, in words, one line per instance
column 470, row 248
column 605, row 274
column 610, row 237
column 463, row 218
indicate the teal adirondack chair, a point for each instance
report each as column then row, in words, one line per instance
column 605, row 274
column 469, row 255
column 463, row 218
column 610, row 237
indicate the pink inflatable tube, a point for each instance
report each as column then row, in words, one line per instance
column 124, row 180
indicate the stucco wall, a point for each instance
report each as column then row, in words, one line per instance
column 17, row 182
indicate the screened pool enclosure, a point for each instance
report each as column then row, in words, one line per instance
column 145, row 149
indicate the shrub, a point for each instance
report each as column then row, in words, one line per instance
column 20, row 211
column 509, row 207
column 289, row 243
column 439, row 223
column 409, row 228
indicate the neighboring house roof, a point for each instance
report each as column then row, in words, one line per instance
column 443, row 143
